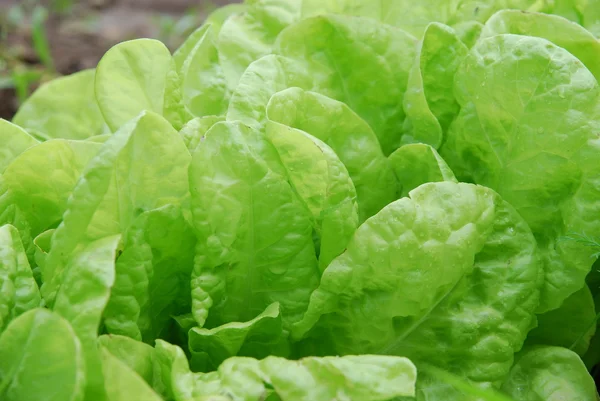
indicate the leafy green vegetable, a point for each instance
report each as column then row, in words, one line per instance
column 549, row 373
column 312, row 200
column 22, row 377
column 570, row 326
column 63, row 108
column 511, row 135
column 18, row 290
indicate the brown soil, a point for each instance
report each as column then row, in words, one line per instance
column 79, row 38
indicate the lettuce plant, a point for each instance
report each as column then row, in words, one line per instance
column 312, row 201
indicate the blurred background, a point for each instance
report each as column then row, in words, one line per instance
column 42, row 39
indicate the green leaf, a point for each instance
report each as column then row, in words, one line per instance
column 122, row 383
column 135, row 76
column 42, row 178
column 560, row 31
column 331, row 55
column 203, row 85
column 14, row 140
column 134, row 354
column 414, row 16
column 255, row 241
column 188, row 45
column 468, row 32
column 448, row 276
column 511, row 135
column 246, row 37
column 18, row 290
column 22, row 377
column 152, row 275
column 141, row 167
column 259, row 338
column 322, row 182
column 82, row 297
column 63, row 108
column 549, row 374
column 418, row 164
column 348, row 135
column 572, row 325
column 353, row 378
column 218, row 17
column 194, row 130
column 429, row 101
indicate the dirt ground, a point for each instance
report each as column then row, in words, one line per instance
column 79, row 37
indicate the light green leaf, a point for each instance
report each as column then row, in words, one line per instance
column 322, row 182
column 122, row 383
column 448, row 276
column 18, row 290
column 572, row 325
column 138, row 75
column 14, row 140
column 417, row 164
column 331, row 55
column 42, row 178
column 194, row 130
column 61, row 376
column 82, row 297
column 259, row 338
column 255, row 242
column 188, row 45
column 429, row 101
column 549, row 374
column 414, row 16
column 352, row 378
column 348, row 135
column 218, row 17
column 63, row 108
column 512, row 136
column 134, row 354
column 141, row 167
column 42, row 245
column 468, row 32
column 435, row 384
column 560, row 31
column 203, row 85
column 247, row 37
column 152, row 273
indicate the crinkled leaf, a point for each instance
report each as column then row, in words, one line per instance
column 414, row 16
column 18, row 290
column 63, row 108
column 532, row 136
column 152, row 275
column 259, row 338
column 448, row 276
column 560, row 31
column 142, row 167
column 549, row 374
column 322, row 182
column 331, row 55
column 138, row 75
column 348, row 135
column 417, row 164
column 352, row 378
column 429, row 101
column 255, row 242
column 33, row 335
